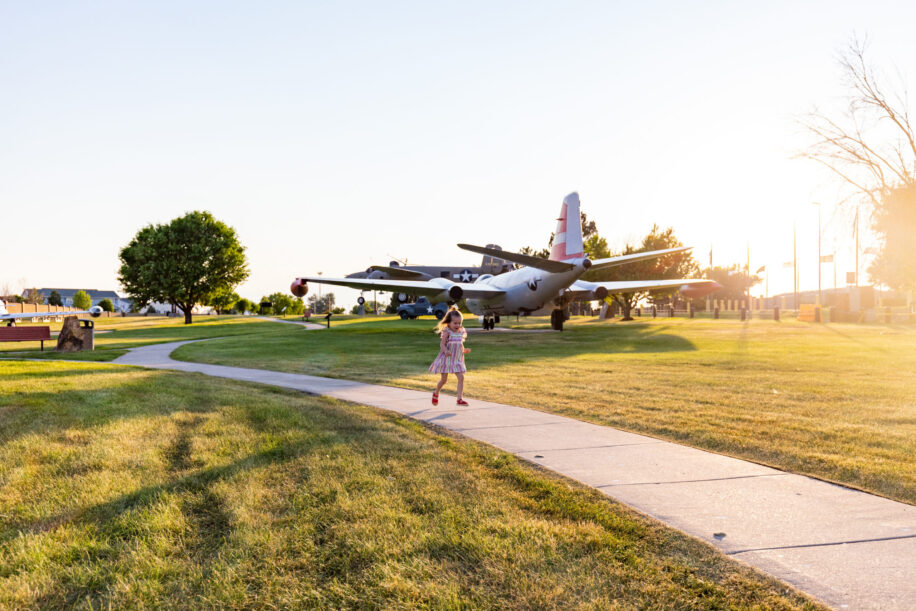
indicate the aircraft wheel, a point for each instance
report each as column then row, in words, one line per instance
column 439, row 314
column 496, row 320
column 360, row 300
column 403, row 315
column 556, row 320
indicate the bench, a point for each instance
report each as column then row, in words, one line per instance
column 25, row 334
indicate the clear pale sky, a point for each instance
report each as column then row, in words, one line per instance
column 331, row 135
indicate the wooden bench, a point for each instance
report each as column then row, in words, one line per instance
column 25, row 334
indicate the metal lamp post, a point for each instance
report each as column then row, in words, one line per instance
column 818, row 252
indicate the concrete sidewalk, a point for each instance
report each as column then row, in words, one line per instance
column 847, row 548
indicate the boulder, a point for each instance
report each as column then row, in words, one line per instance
column 75, row 337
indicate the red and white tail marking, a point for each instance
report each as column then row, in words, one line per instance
column 567, row 240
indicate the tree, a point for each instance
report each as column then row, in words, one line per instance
column 284, row 304
column 675, row 265
column 323, row 304
column 82, row 300
column 243, row 305
column 54, row 299
column 734, row 280
column 223, row 300
column 895, row 220
column 33, row 296
column 107, row 305
column 184, row 263
column 872, row 149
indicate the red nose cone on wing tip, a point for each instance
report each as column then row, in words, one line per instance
column 298, row 288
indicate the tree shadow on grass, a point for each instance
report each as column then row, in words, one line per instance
column 209, row 522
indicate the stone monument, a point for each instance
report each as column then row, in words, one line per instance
column 75, row 337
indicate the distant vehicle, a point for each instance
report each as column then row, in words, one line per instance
column 422, row 307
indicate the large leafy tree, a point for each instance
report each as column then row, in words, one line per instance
column 54, row 299
column 734, row 280
column 895, row 220
column 676, row 265
column 223, row 300
column 283, row 304
column 82, row 300
column 871, row 148
column 185, row 262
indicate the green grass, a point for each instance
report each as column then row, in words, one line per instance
column 115, row 336
column 129, row 488
column 836, row 401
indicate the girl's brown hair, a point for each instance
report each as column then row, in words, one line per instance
column 453, row 312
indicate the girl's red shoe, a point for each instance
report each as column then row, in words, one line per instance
column 435, row 398
column 461, row 402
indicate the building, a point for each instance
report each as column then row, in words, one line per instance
column 121, row 304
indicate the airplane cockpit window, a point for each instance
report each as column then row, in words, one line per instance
column 484, row 277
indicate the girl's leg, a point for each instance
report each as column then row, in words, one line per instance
column 441, row 383
column 460, row 377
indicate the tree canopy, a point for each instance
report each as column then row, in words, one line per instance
column 82, row 300
column 675, row 265
column 185, row 262
column 107, row 305
column 284, row 304
column 871, row 148
column 54, row 299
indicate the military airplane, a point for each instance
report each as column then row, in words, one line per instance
column 94, row 311
column 395, row 270
column 542, row 285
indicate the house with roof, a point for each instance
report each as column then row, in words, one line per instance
column 121, row 304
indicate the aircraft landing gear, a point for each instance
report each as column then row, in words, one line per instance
column 489, row 322
column 557, row 318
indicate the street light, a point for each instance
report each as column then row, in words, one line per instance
column 318, row 305
column 818, row 204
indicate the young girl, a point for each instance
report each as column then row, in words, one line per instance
column 451, row 353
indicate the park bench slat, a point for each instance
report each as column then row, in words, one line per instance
column 25, row 334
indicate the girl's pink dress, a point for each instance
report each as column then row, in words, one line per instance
column 451, row 360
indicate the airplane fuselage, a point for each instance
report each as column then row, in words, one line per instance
column 527, row 290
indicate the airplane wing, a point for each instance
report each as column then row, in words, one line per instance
column 397, row 272
column 637, row 256
column 28, row 315
column 536, row 262
column 427, row 288
column 689, row 287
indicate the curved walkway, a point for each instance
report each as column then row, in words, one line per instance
column 845, row 547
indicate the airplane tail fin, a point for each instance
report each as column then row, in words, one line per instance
column 567, row 240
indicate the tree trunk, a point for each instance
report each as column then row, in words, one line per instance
column 187, row 316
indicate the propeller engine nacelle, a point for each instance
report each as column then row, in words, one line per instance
column 299, row 287
column 95, row 311
column 599, row 293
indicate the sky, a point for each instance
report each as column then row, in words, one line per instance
column 334, row 136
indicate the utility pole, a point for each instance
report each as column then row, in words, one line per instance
column 747, row 280
column 857, row 245
column 818, row 251
column 795, row 263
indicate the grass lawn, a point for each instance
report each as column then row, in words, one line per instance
column 114, row 336
column 837, row 401
column 129, row 488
